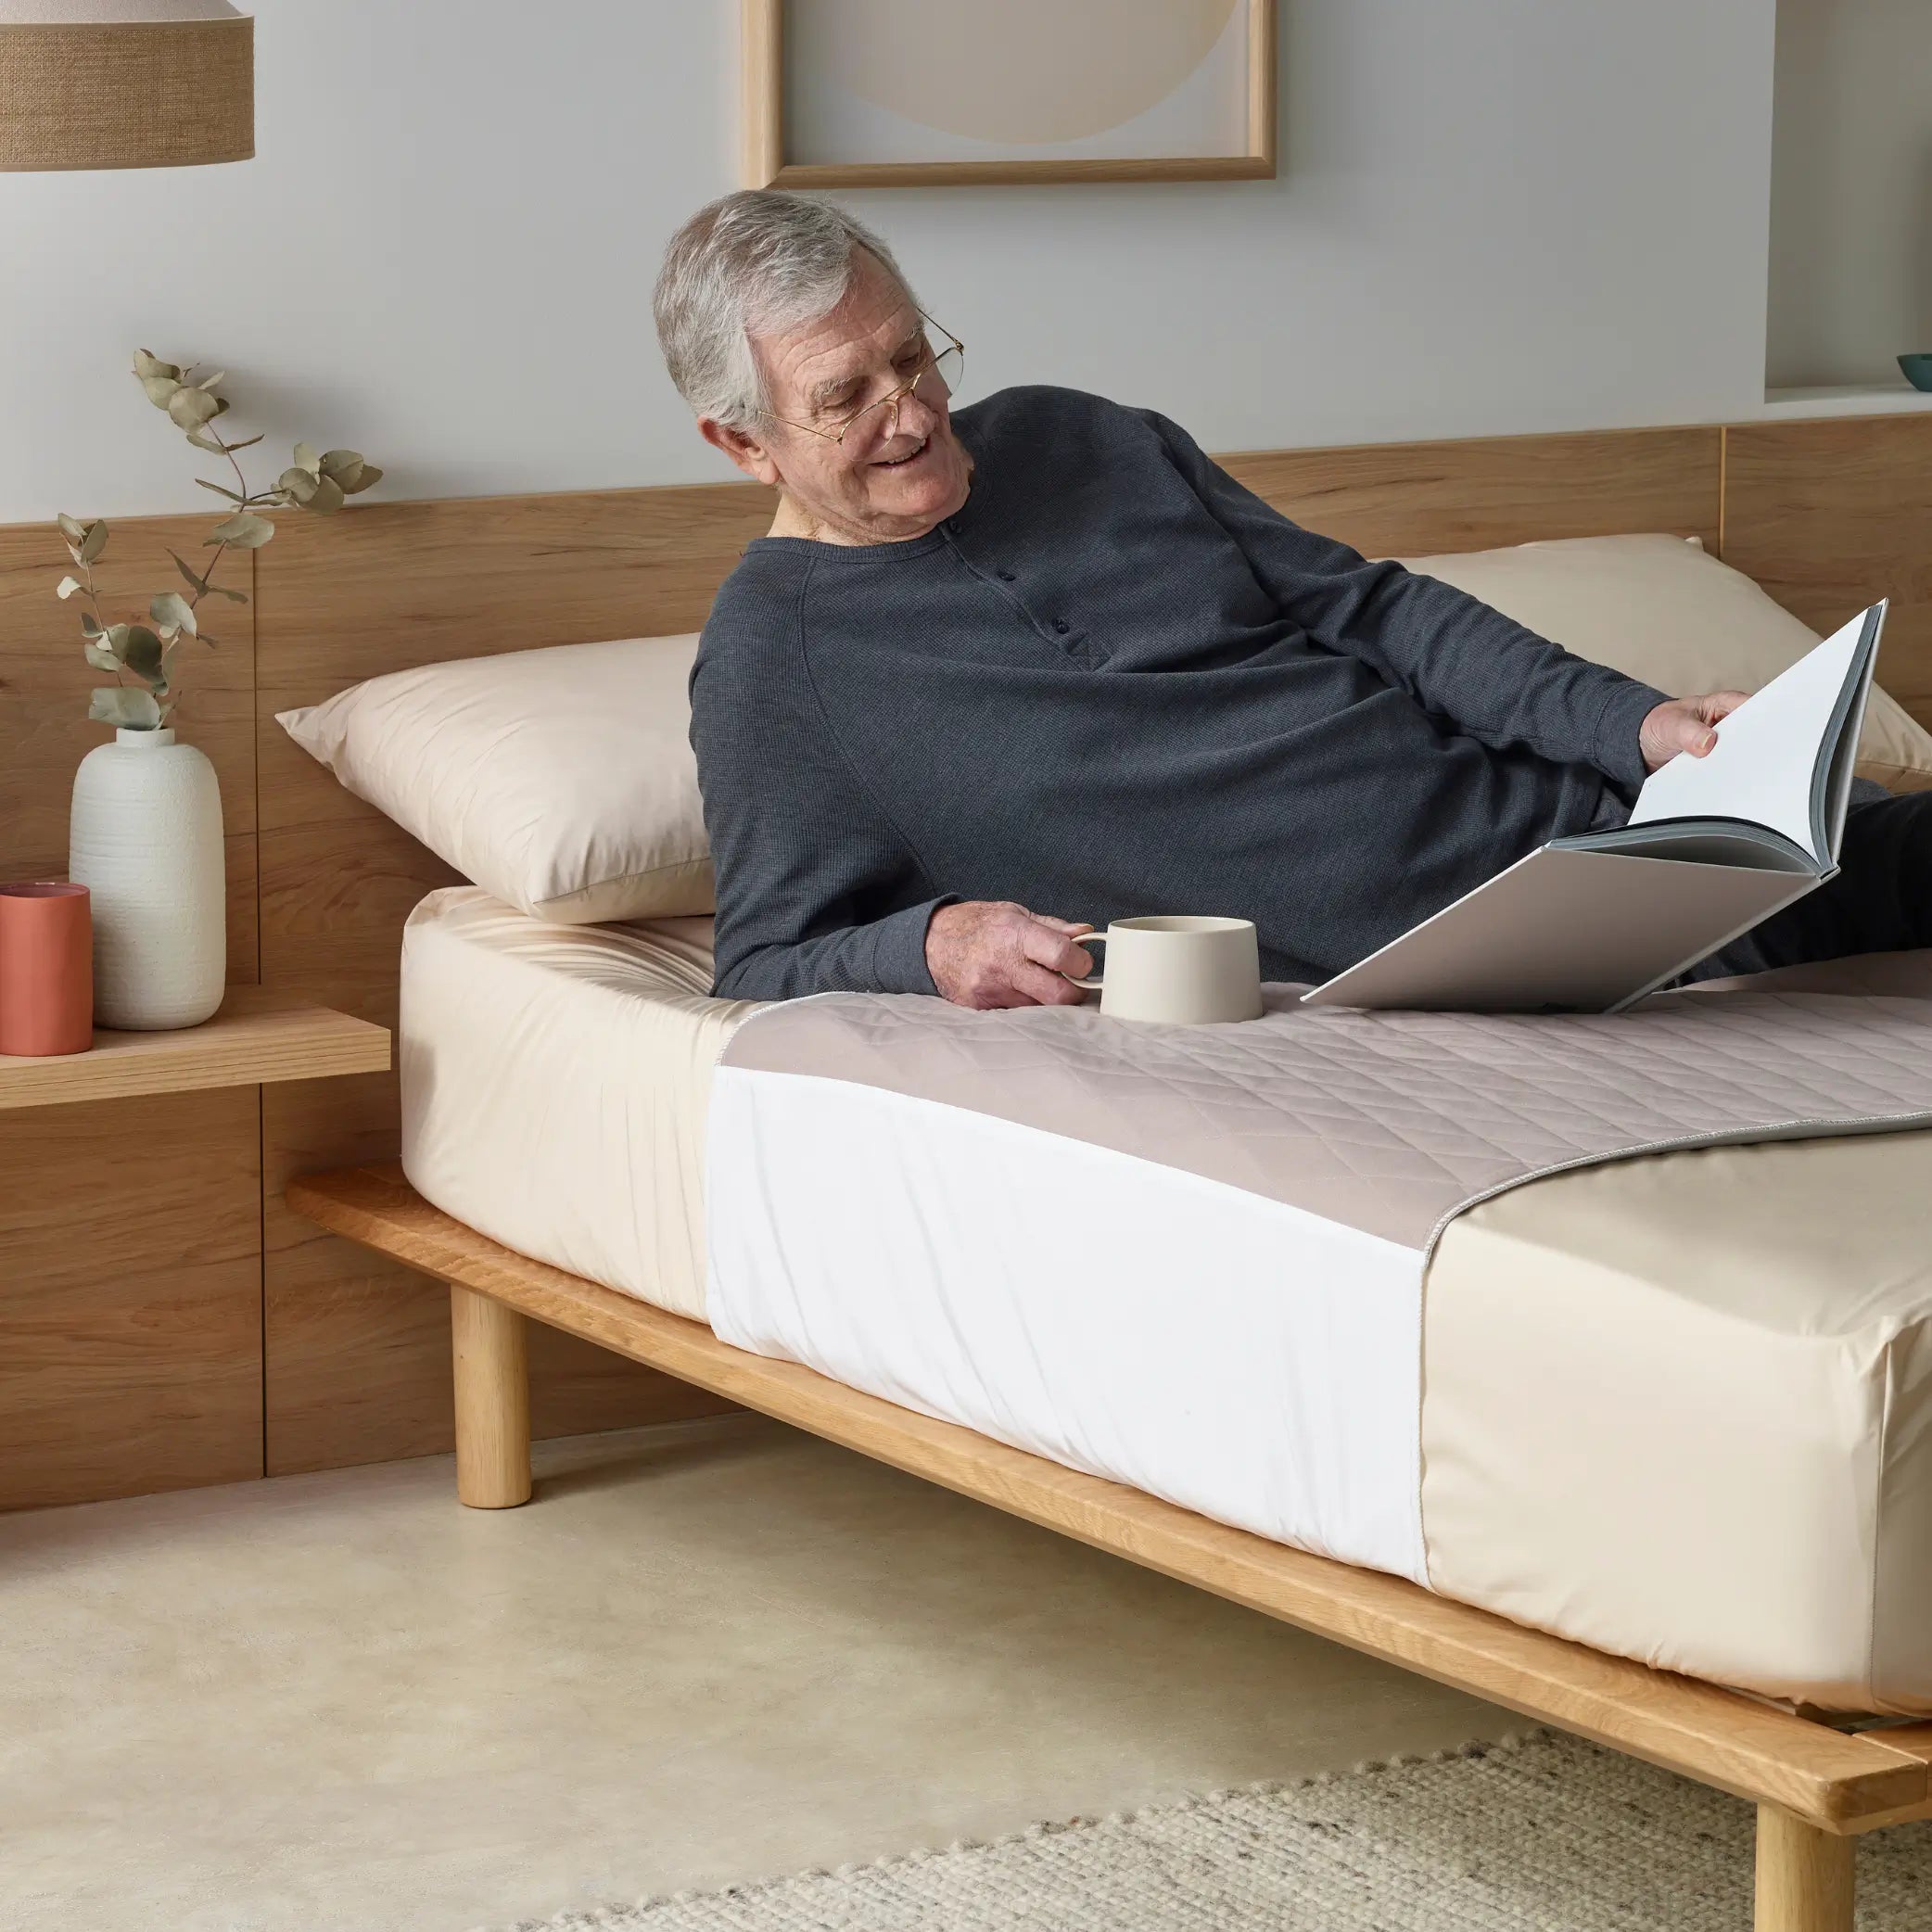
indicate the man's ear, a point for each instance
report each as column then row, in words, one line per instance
column 744, row 449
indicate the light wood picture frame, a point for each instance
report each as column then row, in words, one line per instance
column 766, row 160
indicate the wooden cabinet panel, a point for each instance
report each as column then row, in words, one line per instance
column 1829, row 516
column 130, row 1296
column 1407, row 500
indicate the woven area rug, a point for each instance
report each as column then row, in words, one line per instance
column 1539, row 1834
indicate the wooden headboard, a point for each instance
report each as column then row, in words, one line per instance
column 298, row 1350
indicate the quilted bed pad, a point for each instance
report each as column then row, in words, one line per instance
column 1288, row 1273
column 1390, row 1122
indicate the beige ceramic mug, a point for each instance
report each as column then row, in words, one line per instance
column 1187, row 971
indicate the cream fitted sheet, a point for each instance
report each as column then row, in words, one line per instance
column 555, row 1084
column 1679, row 1408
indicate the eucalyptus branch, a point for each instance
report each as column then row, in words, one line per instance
column 145, row 651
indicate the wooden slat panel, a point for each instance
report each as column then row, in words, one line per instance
column 1422, row 499
column 1723, row 1737
column 130, row 1297
column 1831, row 514
column 243, row 934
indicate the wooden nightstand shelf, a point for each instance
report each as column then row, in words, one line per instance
column 133, row 1332
column 254, row 1038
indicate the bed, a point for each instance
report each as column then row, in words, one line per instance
column 1590, row 1615
column 1677, row 1406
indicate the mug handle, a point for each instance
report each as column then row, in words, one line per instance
column 1093, row 985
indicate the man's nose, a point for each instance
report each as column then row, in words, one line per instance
column 909, row 410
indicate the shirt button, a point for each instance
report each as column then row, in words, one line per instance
column 1006, row 576
column 1061, row 625
column 952, row 523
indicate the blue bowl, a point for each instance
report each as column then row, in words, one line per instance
column 1918, row 370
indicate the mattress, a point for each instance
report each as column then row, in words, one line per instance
column 1679, row 1408
column 556, row 1081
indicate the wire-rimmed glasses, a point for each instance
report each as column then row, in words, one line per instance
column 943, row 366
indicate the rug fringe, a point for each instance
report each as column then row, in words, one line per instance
column 581, row 1918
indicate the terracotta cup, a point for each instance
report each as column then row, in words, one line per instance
column 47, row 968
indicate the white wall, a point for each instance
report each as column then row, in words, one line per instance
column 1851, row 191
column 1493, row 216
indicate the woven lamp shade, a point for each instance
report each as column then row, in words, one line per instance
column 124, row 84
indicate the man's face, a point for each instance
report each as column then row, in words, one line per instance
column 884, row 482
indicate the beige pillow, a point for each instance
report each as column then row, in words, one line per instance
column 1661, row 609
column 560, row 780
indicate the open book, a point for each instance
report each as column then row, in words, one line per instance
column 1592, row 922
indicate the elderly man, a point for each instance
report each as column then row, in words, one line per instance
column 994, row 675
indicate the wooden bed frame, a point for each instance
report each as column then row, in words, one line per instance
column 1815, row 1786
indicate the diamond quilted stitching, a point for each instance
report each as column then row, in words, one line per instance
column 1391, row 1122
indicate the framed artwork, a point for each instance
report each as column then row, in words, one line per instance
column 884, row 94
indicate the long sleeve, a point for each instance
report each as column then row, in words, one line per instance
column 1499, row 681
column 807, row 863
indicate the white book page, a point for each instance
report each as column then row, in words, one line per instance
column 1766, row 753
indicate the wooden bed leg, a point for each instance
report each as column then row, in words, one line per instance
column 490, row 1357
column 1804, row 1875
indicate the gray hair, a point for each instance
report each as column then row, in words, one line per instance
column 759, row 263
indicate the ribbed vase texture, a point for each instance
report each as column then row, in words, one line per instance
column 145, row 840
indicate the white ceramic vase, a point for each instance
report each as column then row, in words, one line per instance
column 146, row 841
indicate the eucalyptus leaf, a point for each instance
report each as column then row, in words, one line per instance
column 365, row 477
column 90, row 626
column 147, row 366
column 181, row 564
column 232, row 596
column 68, row 585
column 244, row 530
column 116, row 635
column 94, row 543
column 116, row 704
column 297, row 485
column 208, row 382
column 100, row 657
column 142, row 653
column 219, row 489
column 213, row 444
column 249, row 444
column 326, row 497
column 171, row 611
column 306, row 459
column 72, row 527
column 188, row 409
column 161, row 389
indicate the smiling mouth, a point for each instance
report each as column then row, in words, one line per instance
column 897, row 463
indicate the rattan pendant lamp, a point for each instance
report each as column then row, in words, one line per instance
column 124, row 84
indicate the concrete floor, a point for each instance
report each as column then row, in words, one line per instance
column 709, row 1653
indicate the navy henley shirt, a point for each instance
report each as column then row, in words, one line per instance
column 1118, row 682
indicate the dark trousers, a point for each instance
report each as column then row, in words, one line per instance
column 1881, row 901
